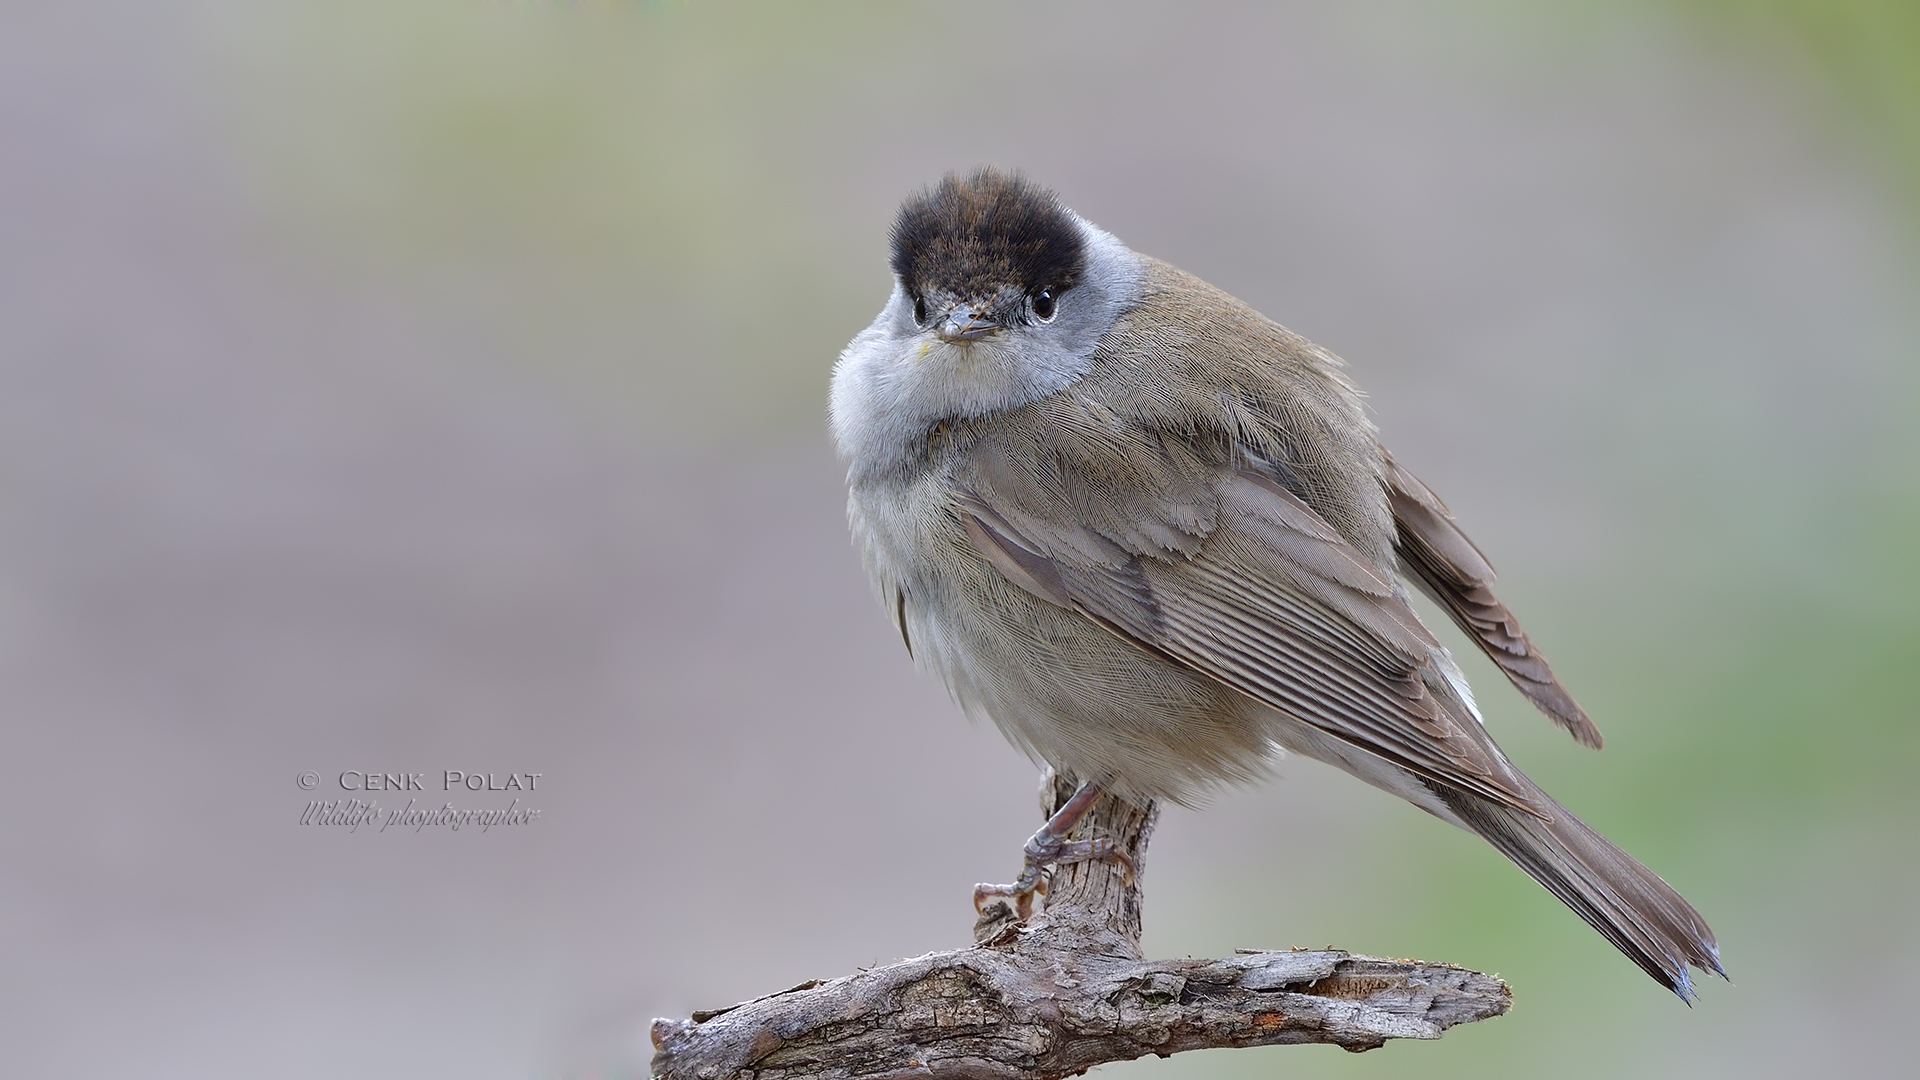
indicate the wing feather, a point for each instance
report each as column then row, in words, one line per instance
column 1452, row 571
column 1270, row 601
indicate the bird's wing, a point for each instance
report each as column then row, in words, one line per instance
column 1458, row 577
column 1221, row 569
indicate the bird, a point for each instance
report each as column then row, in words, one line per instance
column 1153, row 536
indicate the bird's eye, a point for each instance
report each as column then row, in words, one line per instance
column 1043, row 305
column 920, row 311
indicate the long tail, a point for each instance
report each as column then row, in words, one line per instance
column 1642, row 915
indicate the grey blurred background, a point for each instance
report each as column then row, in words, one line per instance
column 439, row 386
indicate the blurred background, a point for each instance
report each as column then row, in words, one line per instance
column 440, row 386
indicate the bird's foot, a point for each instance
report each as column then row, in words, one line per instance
column 1049, row 848
column 1041, row 855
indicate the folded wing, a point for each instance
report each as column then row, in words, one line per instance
column 1452, row 571
column 1236, row 577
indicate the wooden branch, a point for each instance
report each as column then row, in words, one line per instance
column 1065, row 992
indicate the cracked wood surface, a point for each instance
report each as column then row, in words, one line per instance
column 1065, row 992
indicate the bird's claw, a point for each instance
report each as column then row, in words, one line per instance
column 1042, row 852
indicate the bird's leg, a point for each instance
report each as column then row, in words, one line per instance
column 1050, row 847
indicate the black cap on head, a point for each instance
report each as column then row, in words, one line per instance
column 973, row 235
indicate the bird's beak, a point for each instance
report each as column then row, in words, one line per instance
column 965, row 322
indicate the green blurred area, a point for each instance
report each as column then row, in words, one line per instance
column 1866, row 52
column 629, row 164
column 655, row 173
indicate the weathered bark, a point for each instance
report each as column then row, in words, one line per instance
column 1065, row 992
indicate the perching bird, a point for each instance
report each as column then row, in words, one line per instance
column 1153, row 535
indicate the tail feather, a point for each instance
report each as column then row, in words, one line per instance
column 1631, row 907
